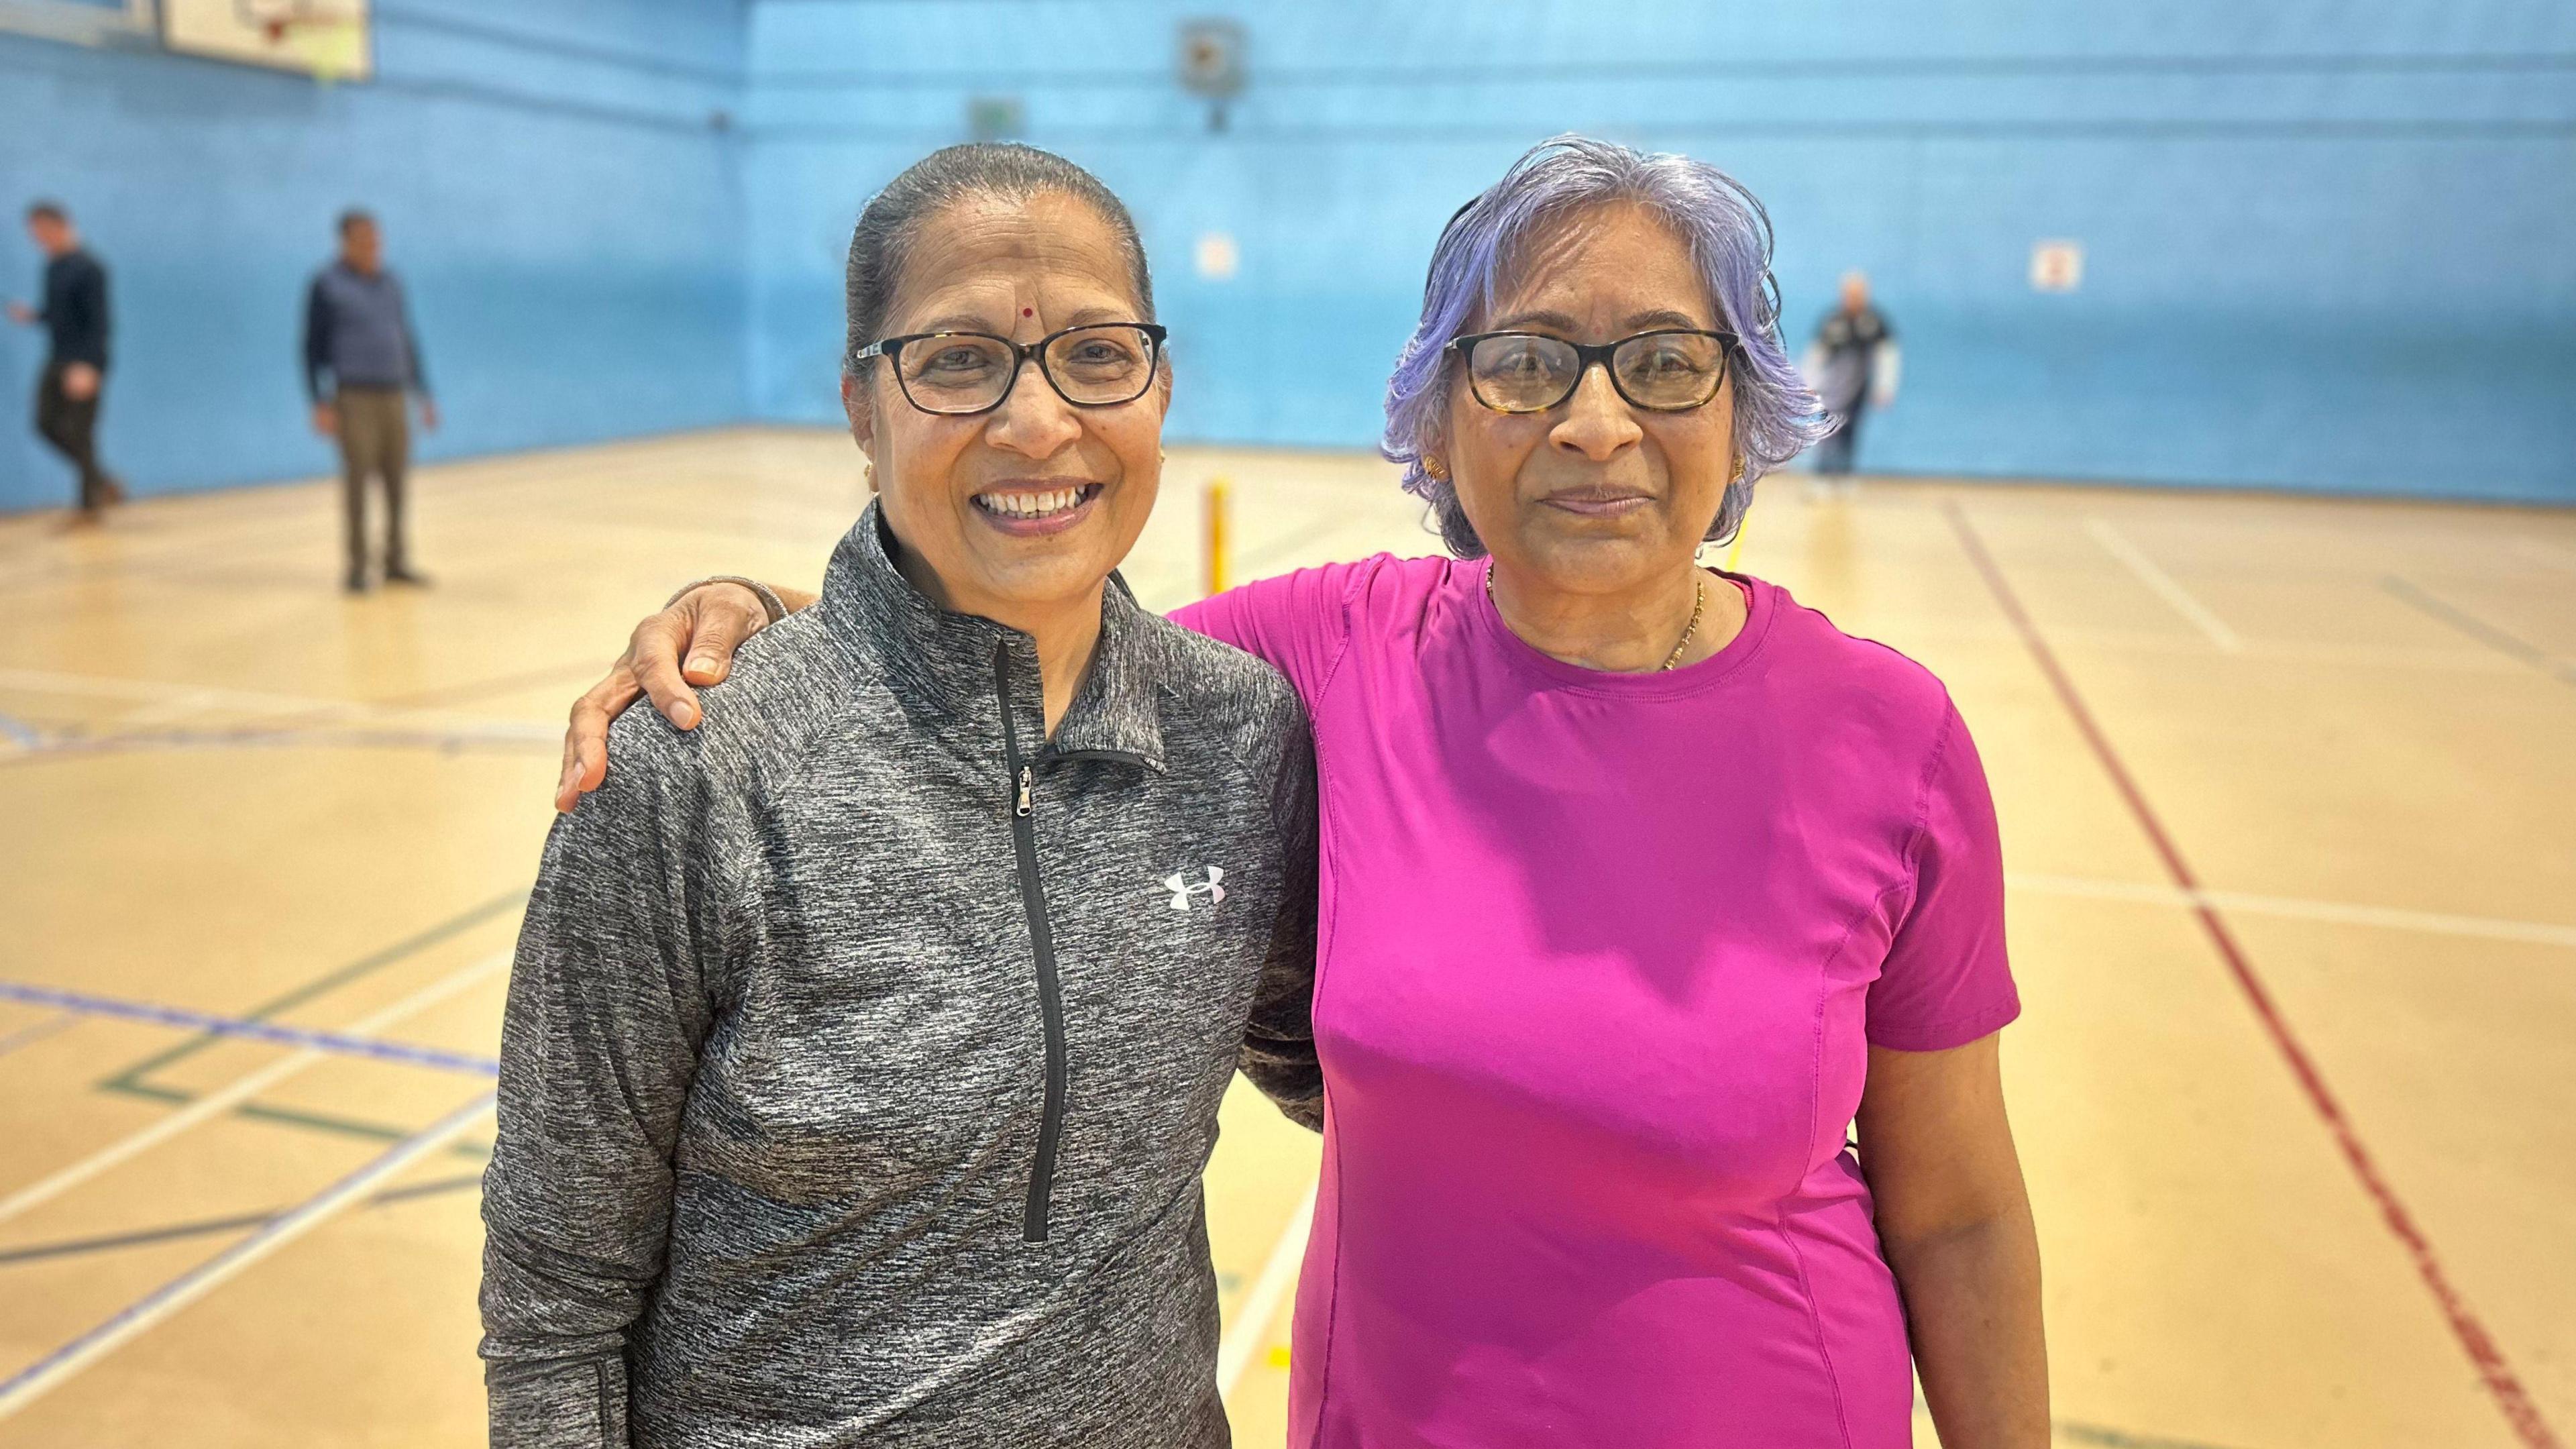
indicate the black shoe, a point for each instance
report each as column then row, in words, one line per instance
column 407, row 578
column 357, row 584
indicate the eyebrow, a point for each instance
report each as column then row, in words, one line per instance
column 958, row 322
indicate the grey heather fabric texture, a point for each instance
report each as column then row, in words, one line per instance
column 773, row 1067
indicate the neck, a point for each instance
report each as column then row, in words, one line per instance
column 1067, row 631
column 1624, row 631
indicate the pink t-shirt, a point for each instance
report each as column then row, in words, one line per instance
column 1601, row 959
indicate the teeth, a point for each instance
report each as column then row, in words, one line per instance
column 1030, row 505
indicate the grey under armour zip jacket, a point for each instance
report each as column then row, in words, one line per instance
column 864, row 1045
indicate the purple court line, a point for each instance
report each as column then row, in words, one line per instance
column 2484, row 1353
column 39, row 1378
column 30, row 1035
column 326, row 1041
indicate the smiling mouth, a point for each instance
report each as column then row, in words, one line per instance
column 1597, row 501
column 1038, row 503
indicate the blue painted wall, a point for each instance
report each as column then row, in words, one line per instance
column 2328, row 245
column 553, row 192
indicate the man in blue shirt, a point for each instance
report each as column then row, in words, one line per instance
column 362, row 367
column 76, row 322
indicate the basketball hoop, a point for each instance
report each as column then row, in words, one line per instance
column 327, row 39
column 1212, row 65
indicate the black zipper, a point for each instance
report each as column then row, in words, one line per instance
column 1024, row 844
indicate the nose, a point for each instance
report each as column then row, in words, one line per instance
column 1597, row 421
column 1033, row 421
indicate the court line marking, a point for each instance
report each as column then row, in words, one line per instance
column 207, row 1227
column 55, row 1369
column 2165, row 585
column 241, row 1090
column 2105, row 1437
column 2515, row 1401
column 2341, row 913
column 30, row 1035
column 172, row 697
column 1278, row 1276
column 2458, row 661
column 533, row 739
column 374, row 961
column 2563, row 670
column 327, row 1041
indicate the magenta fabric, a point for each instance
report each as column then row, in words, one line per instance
column 1601, row 959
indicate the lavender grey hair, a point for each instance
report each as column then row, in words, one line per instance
column 1776, row 416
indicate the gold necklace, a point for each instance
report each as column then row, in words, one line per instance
column 1699, row 601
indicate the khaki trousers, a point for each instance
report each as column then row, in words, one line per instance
column 375, row 441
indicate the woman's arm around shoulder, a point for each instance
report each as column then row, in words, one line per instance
column 1297, row 622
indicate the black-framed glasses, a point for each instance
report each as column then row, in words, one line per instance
column 960, row 374
column 1669, row 370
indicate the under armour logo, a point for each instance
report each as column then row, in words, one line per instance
column 1182, row 889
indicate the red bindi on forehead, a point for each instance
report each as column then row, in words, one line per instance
column 1028, row 311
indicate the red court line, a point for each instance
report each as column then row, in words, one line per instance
column 2483, row 1352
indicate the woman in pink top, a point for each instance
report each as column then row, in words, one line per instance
column 1642, row 884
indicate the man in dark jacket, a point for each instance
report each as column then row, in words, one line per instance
column 75, row 318
column 1852, row 365
column 362, row 367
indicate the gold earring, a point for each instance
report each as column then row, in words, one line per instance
column 1434, row 469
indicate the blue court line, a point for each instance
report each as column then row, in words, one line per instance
column 36, row 1379
column 328, row 1041
column 2485, row 633
column 19, row 730
column 208, row 1227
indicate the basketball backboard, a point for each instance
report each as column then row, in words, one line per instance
column 328, row 39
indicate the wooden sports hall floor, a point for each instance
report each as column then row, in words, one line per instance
column 2289, row 799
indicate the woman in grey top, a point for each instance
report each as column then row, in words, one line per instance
column 855, row 1093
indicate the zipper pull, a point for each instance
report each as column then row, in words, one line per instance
column 1028, row 780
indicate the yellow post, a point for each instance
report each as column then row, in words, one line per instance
column 1216, row 536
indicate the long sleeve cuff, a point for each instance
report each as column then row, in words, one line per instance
column 571, row 1403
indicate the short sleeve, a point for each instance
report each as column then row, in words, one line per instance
column 1946, row 981
column 1296, row 623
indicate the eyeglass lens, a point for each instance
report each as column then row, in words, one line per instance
column 1523, row 373
column 967, row 372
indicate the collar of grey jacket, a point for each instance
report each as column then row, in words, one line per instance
column 945, row 660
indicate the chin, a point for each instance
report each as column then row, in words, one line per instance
column 1050, row 579
column 1593, row 559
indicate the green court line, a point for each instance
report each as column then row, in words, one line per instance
column 132, row 1082
column 208, row 1227
column 289, row 1117
column 366, row 965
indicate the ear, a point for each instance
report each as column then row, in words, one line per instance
column 859, row 406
